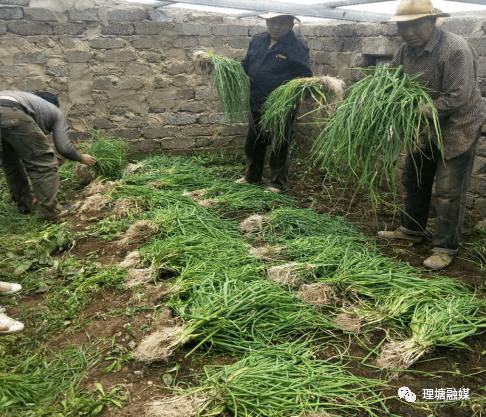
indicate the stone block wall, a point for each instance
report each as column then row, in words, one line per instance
column 128, row 69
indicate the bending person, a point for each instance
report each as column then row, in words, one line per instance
column 28, row 159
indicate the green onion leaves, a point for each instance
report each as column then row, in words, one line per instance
column 379, row 119
column 232, row 86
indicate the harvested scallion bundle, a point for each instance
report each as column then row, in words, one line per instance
column 291, row 223
column 110, row 154
column 446, row 321
column 286, row 380
column 239, row 315
column 379, row 119
column 286, row 98
column 232, row 85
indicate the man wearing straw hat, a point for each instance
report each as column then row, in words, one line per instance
column 273, row 58
column 449, row 67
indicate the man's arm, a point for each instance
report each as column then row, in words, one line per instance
column 457, row 82
column 300, row 61
column 245, row 62
column 60, row 134
column 64, row 145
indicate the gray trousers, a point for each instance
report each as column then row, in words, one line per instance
column 452, row 179
column 29, row 161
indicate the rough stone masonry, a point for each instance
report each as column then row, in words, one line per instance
column 127, row 69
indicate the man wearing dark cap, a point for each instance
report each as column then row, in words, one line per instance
column 449, row 67
column 273, row 58
column 28, row 159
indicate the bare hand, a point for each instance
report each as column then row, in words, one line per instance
column 87, row 159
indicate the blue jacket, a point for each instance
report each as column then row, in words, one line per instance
column 270, row 68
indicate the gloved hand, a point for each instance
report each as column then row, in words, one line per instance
column 87, row 159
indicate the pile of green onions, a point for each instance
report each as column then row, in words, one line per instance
column 111, row 157
column 239, row 315
column 291, row 223
column 445, row 321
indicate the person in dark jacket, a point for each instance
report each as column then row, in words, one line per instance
column 26, row 156
column 273, row 58
column 449, row 67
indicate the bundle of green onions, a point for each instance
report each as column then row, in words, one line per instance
column 240, row 315
column 232, row 85
column 323, row 91
column 446, row 321
column 110, row 154
column 373, row 275
column 291, row 223
column 380, row 118
column 286, row 380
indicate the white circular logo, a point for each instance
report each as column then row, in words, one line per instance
column 406, row 394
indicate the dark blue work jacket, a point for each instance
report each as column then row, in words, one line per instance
column 269, row 68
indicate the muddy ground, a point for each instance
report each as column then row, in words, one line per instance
column 145, row 383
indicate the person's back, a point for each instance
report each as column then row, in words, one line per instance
column 27, row 156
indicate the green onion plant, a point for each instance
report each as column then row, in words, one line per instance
column 111, row 156
column 379, row 119
column 322, row 91
column 232, row 85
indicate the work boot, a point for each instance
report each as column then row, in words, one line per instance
column 272, row 189
column 439, row 260
column 51, row 216
column 242, row 180
column 401, row 234
column 23, row 209
column 55, row 214
column 25, row 205
column 9, row 325
column 9, row 288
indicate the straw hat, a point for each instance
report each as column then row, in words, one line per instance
column 416, row 9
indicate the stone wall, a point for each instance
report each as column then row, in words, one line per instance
column 128, row 69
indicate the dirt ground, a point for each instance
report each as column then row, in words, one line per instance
column 145, row 382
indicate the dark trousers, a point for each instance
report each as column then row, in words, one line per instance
column 451, row 183
column 255, row 150
column 29, row 161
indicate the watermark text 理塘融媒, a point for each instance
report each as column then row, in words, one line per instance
column 435, row 394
